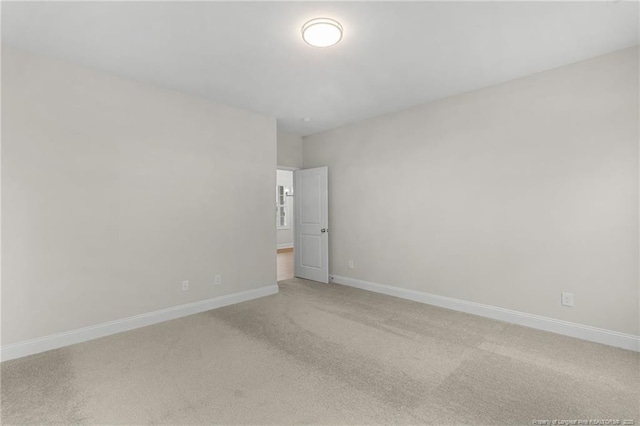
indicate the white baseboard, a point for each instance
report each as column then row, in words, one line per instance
column 285, row 246
column 580, row 331
column 58, row 340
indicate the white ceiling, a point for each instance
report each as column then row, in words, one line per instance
column 392, row 56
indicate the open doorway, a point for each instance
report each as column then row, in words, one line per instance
column 302, row 228
column 284, row 223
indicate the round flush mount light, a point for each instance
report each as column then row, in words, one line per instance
column 322, row 32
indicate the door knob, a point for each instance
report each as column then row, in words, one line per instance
column 323, row 230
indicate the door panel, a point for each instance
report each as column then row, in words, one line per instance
column 311, row 231
column 311, row 251
column 311, row 189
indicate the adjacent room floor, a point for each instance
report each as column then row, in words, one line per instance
column 326, row 354
column 285, row 264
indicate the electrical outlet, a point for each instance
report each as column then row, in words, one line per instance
column 567, row 299
column 185, row 285
column 217, row 280
column 350, row 264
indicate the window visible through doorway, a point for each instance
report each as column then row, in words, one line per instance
column 282, row 207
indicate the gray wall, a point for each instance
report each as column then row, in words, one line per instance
column 505, row 196
column 289, row 150
column 115, row 191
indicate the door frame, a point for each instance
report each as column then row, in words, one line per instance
column 293, row 222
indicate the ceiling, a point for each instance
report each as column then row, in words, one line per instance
column 251, row 55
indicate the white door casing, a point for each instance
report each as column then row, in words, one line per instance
column 311, row 229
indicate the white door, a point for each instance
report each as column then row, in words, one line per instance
column 311, row 224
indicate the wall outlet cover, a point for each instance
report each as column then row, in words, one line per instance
column 567, row 299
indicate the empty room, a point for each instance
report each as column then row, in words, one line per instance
column 337, row 213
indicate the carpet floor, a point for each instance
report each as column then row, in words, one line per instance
column 324, row 354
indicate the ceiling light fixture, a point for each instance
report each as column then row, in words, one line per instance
column 322, row 32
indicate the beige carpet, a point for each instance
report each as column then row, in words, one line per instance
column 324, row 354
